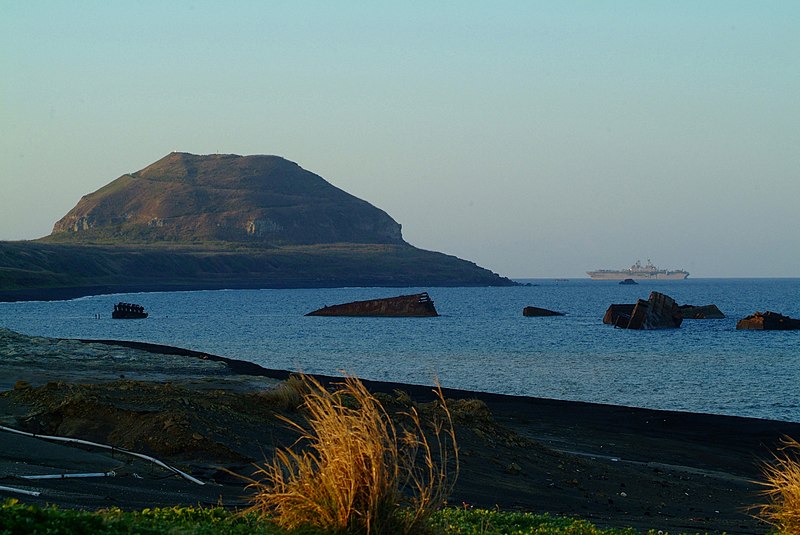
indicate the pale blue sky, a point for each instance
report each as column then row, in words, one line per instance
column 538, row 139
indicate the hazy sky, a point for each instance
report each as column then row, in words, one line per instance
column 537, row 139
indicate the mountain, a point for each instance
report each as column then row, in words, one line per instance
column 225, row 197
column 190, row 222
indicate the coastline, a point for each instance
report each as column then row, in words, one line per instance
column 73, row 292
column 67, row 293
column 612, row 465
column 44, row 270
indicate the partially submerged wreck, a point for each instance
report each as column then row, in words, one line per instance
column 768, row 321
column 701, row 312
column 658, row 312
column 535, row 312
column 128, row 311
column 402, row 306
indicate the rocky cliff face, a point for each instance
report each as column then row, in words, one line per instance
column 257, row 199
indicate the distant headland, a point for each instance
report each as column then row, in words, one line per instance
column 218, row 221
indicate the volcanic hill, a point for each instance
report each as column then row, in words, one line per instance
column 190, row 222
column 225, row 197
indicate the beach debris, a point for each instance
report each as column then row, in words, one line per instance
column 18, row 490
column 402, row 306
column 110, row 473
column 702, row 312
column 113, row 449
column 534, row 312
column 768, row 321
column 659, row 312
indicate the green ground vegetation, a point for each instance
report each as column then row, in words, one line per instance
column 19, row 519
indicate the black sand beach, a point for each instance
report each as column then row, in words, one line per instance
column 209, row 416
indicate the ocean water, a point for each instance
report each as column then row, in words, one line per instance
column 481, row 341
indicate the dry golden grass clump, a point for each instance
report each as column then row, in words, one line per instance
column 783, row 489
column 288, row 395
column 354, row 470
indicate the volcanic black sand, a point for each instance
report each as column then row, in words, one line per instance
column 209, row 416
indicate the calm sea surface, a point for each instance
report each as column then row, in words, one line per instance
column 482, row 341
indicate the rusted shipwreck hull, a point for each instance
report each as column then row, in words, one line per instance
column 658, row 312
column 701, row 312
column 768, row 321
column 536, row 312
column 402, row 306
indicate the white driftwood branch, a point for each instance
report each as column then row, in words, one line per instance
column 69, row 440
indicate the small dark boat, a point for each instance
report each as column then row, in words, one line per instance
column 628, row 281
column 128, row 311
